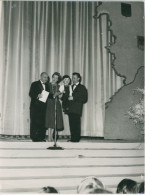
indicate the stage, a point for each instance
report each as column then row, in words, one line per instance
column 26, row 167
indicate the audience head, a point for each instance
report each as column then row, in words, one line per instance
column 99, row 191
column 50, row 190
column 76, row 77
column 66, row 80
column 127, row 186
column 88, row 184
column 141, row 188
column 44, row 77
column 56, row 77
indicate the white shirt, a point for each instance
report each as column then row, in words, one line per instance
column 43, row 84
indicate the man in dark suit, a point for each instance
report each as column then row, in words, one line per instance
column 76, row 101
column 38, row 109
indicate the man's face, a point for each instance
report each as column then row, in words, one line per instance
column 44, row 77
column 75, row 79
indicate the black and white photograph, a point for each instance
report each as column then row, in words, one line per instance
column 72, row 97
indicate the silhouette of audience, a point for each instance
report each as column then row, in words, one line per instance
column 88, row 184
column 49, row 190
column 100, row 191
column 92, row 185
column 127, row 186
column 141, row 188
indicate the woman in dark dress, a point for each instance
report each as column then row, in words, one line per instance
column 66, row 91
column 50, row 110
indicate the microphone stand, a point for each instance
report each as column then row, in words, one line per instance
column 55, row 147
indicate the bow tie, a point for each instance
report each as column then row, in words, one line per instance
column 74, row 86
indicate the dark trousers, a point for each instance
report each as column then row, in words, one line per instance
column 75, row 127
column 37, row 123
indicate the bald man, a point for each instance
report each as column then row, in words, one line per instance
column 38, row 109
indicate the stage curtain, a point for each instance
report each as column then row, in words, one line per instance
column 53, row 36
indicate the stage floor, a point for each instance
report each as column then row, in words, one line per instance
column 9, row 138
column 26, row 167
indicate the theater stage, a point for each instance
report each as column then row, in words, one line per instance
column 26, row 167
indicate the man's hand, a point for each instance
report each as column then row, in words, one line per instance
column 70, row 98
column 40, row 95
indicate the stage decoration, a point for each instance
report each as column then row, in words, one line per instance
column 140, row 42
column 136, row 112
column 111, row 39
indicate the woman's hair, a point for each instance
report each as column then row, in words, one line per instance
column 50, row 190
column 67, row 77
column 59, row 76
column 88, row 184
column 127, row 186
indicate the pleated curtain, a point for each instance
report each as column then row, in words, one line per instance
column 53, row 36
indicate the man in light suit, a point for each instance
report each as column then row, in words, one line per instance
column 38, row 109
column 76, row 101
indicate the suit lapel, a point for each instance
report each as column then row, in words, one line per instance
column 40, row 85
column 47, row 87
column 77, row 87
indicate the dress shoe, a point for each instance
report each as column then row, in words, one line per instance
column 43, row 140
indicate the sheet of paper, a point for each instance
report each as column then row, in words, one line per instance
column 44, row 96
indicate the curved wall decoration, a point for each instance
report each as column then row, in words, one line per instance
column 110, row 40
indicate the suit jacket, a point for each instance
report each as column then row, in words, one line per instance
column 80, row 97
column 35, row 89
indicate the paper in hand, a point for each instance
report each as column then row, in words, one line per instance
column 44, row 96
